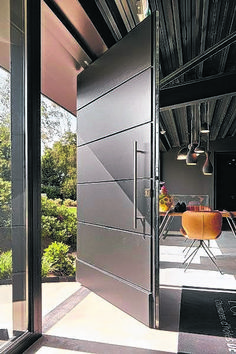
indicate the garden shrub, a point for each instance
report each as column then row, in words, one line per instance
column 6, row 265
column 57, row 260
column 52, row 192
column 59, row 223
column 70, row 203
column 5, row 203
column 46, row 267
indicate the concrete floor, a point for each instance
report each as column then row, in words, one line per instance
column 76, row 319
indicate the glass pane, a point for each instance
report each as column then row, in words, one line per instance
column 13, row 276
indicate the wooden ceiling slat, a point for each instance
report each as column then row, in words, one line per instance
column 164, row 43
column 177, row 31
column 182, row 125
column 219, row 115
column 229, row 118
column 205, row 11
column 172, row 133
column 225, row 52
column 232, row 130
column 166, row 4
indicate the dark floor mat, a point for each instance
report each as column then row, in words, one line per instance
column 207, row 322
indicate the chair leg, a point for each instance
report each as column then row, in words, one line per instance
column 188, row 248
column 192, row 255
column 211, row 258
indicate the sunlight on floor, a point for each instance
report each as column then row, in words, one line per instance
column 202, row 272
column 94, row 319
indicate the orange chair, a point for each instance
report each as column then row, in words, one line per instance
column 201, row 226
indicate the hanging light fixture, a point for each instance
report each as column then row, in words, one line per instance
column 199, row 148
column 182, row 154
column 207, row 168
column 205, row 127
column 191, row 158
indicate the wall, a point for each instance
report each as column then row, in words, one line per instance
column 183, row 179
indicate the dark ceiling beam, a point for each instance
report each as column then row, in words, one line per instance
column 198, row 59
column 98, row 21
column 68, row 25
column 198, row 91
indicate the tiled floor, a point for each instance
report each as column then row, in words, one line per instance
column 77, row 320
column 202, row 272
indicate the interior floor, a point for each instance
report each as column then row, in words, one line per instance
column 201, row 272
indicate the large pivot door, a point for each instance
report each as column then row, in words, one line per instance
column 116, row 174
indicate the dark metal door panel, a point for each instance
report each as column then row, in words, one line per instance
column 124, row 254
column 117, row 129
column 112, row 204
column 113, row 158
column 129, row 298
column 119, row 110
column 124, row 60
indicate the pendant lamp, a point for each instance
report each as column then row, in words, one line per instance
column 205, row 127
column 199, row 149
column 182, row 154
column 207, row 167
column 191, row 158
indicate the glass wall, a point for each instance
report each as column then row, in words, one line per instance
column 14, row 302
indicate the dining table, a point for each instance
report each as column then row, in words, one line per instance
column 168, row 217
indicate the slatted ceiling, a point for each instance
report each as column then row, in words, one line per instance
column 220, row 112
column 203, row 32
column 225, row 52
column 232, row 130
column 175, row 5
column 169, row 122
column 181, row 125
column 164, row 43
column 229, row 119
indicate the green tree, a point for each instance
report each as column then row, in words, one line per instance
column 55, row 121
column 59, row 168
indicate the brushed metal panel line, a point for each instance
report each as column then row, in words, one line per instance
column 114, row 246
column 112, row 158
column 132, row 54
column 111, row 204
column 120, row 109
column 133, row 300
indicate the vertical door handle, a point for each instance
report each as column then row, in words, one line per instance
column 135, row 213
column 135, row 185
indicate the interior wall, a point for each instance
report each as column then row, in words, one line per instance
column 183, row 179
